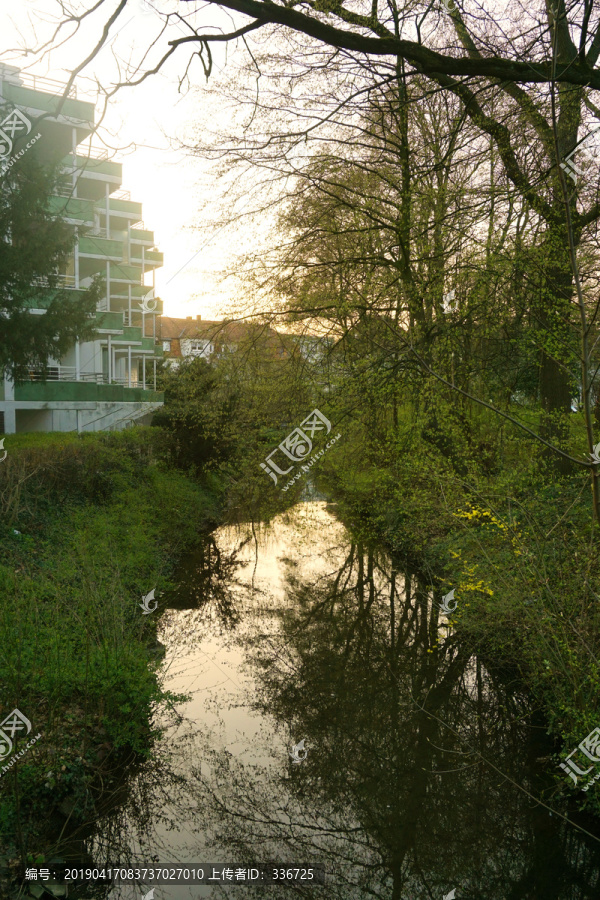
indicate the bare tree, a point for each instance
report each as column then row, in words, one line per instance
column 524, row 77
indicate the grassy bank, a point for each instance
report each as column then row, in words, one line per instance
column 89, row 525
column 516, row 545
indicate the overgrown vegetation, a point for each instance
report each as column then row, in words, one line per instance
column 473, row 505
column 90, row 524
column 512, row 540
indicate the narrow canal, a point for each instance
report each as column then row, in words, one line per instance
column 420, row 770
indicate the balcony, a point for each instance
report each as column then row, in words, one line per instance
column 81, row 391
column 127, row 274
column 80, row 211
column 151, row 258
column 98, row 247
column 38, row 93
column 12, row 75
column 68, row 374
column 130, row 208
column 96, row 163
column 140, row 234
column 62, row 281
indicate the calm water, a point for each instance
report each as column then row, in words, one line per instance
column 422, row 769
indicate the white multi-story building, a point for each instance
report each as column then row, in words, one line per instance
column 109, row 381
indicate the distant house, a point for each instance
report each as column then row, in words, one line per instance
column 180, row 341
column 193, row 337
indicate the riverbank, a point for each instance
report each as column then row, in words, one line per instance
column 90, row 525
column 512, row 544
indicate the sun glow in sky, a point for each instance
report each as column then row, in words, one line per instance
column 143, row 128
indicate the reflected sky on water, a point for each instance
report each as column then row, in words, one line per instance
column 425, row 771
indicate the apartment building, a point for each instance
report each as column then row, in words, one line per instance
column 108, row 382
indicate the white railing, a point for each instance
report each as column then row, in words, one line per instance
column 138, row 226
column 125, row 381
column 37, row 82
column 94, row 153
column 65, row 281
column 53, row 373
column 65, row 373
column 93, row 377
column 69, row 373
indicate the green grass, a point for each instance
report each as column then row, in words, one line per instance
column 90, row 525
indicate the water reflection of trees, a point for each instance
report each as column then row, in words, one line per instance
column 205, row 580
column 395, row 795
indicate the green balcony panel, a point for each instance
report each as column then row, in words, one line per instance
column 120, row 303
column 95, row 166
column 25, row 97
column 72, row 208
column 131, row 332
column 122, row 272
column 149, row 343
column 131, row 207
column 81, row 392
column 151, row 257
column 158, row 309
column 138, row 235
column 91, row 245
column 110, row 320
column 138, row 292
column 45, row 297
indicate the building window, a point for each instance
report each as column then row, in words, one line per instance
column 199, row 348
column 167, row 346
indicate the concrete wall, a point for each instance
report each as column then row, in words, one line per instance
column 100, row 417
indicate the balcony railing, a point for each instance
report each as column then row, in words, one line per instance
column 69, row 373
column 65, row 373
column 93, row 153
column 121, row 195
column 64, row 190
column 65, row 281
column 37, row 82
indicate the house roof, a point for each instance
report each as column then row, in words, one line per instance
column 224, row 332
column 175, row 329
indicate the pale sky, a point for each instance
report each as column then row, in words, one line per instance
column 179, row 193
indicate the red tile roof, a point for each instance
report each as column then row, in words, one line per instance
column 224, row 332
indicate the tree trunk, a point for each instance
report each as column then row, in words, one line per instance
column 557, row 354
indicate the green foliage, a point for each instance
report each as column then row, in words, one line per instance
column 102, row 521
column 36, row 244
column 198, row 414
column 223, row 418
column 514, row 543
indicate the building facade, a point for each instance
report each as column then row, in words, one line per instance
column 107, row 382
column 196, row 338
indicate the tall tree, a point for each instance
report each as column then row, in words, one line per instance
column 35, row 247
column 526, row 80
